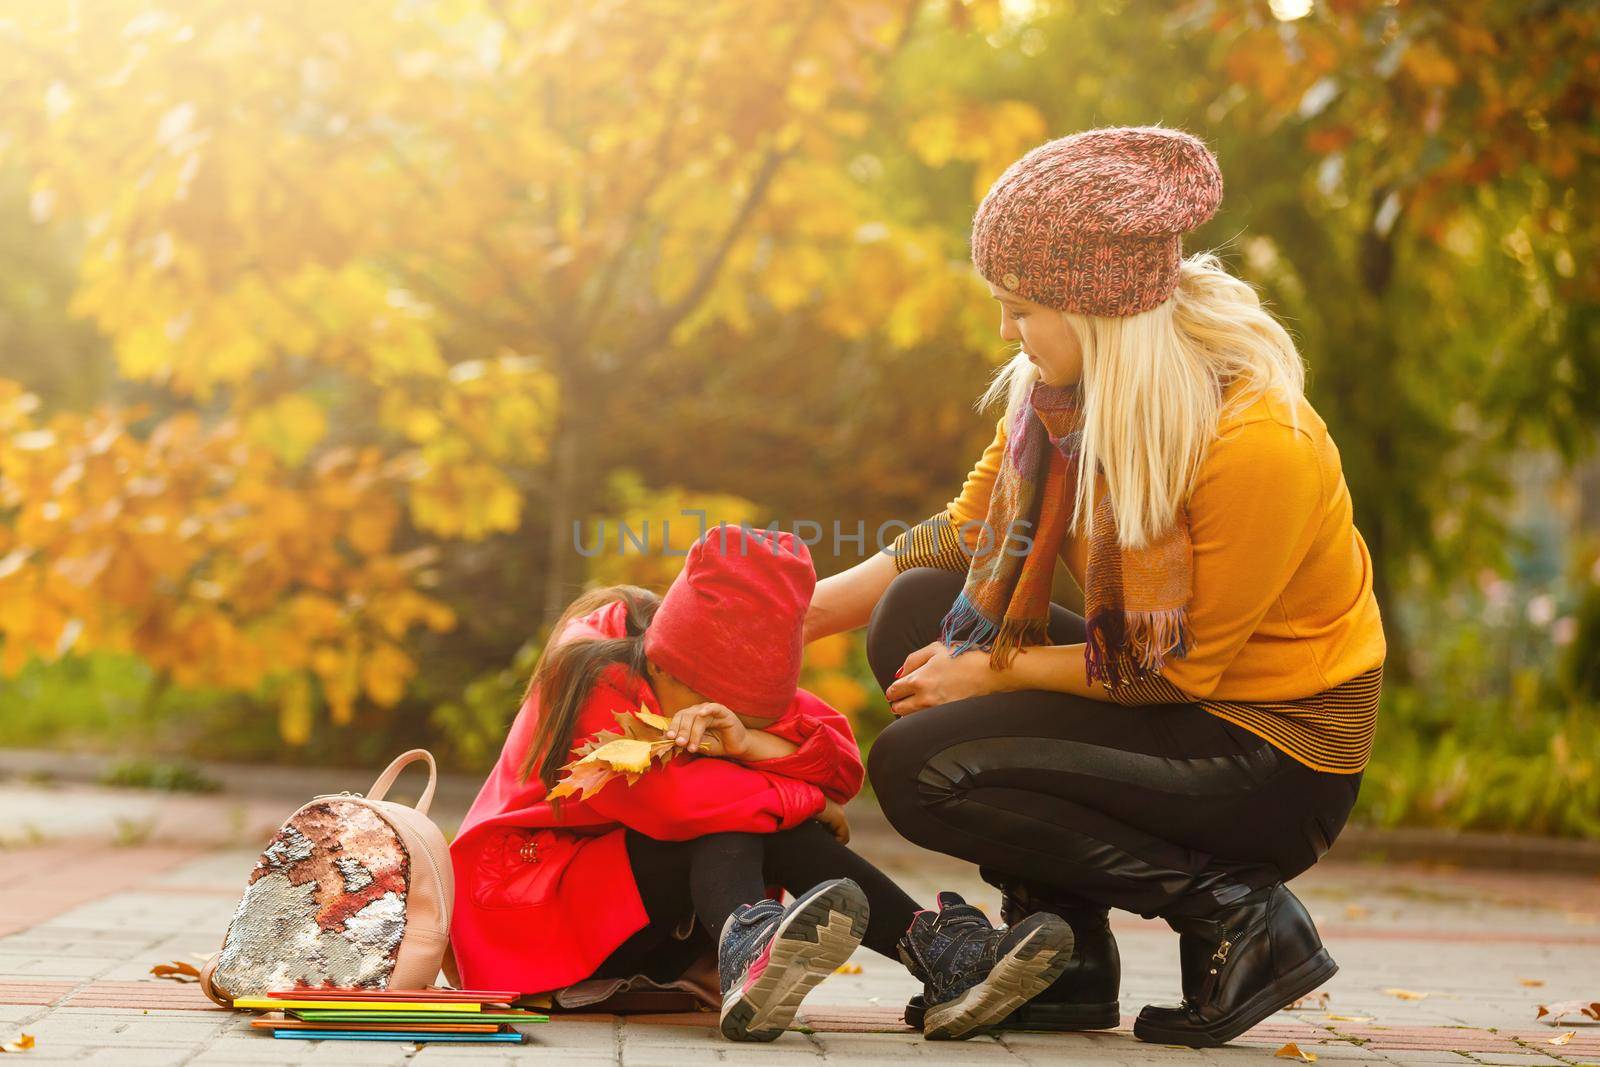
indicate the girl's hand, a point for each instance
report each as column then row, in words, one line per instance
column 832, row 816
column 710, row 730
column 931, row 676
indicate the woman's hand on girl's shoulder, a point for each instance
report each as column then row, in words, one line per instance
column 709, row 730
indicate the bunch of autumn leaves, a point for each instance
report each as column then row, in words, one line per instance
column 610, row 754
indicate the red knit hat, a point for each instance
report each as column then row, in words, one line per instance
column 1092, row 223
column 729, row 627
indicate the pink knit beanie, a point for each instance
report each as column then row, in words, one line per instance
column 1093, row 223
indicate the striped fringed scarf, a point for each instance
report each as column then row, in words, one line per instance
column 1135, row 599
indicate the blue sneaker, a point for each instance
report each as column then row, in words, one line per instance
column 770, row 956
column 973, row 975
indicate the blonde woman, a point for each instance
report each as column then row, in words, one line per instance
column 1197, row 738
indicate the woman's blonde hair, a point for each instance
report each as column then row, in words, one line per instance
column 1153, row 391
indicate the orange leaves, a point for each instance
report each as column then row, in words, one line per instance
column 611, row 754
column 989, row 135
column 22, row 1043
column 1560, row 1010
column 177, row 970
column 209, row 555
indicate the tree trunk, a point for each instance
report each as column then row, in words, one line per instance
column 561, row 515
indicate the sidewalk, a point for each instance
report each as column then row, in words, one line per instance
column 97, row 885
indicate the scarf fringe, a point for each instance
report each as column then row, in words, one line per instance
column 1015, row 634
column 1123, row 646
column 965, row 627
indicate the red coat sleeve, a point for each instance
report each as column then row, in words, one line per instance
column 828, row 756
column 691, row 796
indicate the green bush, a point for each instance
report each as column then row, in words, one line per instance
column 1484, row 765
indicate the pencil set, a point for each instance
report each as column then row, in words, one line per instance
column 458, row 1016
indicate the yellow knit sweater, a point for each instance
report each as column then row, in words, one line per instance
column 1287, row 640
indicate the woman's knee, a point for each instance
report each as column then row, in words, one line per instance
column 907, row 617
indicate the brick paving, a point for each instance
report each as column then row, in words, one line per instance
column 83, row 918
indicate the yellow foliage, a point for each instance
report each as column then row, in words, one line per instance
column 828, row 653
column 840, row 691
column 368, row 259
column 207, row 554
column 294, row 710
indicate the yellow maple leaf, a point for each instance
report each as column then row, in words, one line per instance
column 623, row 754
column 610, row 754
column 1406, row 994
column 660, row 722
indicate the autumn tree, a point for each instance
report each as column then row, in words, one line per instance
column 416, row 245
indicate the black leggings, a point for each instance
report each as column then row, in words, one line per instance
column 1160, row 810
column 708, row 877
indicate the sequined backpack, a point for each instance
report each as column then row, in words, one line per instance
column 352, row 892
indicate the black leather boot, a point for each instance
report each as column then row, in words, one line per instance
column 1085, row 996
column 1241, row 962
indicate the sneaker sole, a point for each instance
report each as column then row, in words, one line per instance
column 818, row 935
column 1304, row 979
column 1020, row 975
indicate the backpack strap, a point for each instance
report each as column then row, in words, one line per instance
column 380, row 788
column 207, row 970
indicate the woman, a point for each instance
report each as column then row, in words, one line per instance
column 1199, row 738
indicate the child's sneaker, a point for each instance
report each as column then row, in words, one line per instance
column 770, row 956
column 974, row 975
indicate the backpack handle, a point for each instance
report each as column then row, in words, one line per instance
column 380, row 788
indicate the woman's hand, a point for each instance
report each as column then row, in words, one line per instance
column 832, row 816
column 710, row 730
column 931, row 676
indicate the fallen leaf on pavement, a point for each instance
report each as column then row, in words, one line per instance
column 23, row 1043
column 1532, row 983
column 1350, row 1018
column 1406, row 994
column 1317, row 1001
column 848, row 968
column 1591, row 1008
column 1292, row 1051
column 1562, row 1039
column 177, row 970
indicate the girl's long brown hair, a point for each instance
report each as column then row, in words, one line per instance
column 567, row 673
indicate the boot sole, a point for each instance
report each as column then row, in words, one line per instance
column 1020, row 975
column 1064, row 1017
column 818, row 935
column 1279, row 995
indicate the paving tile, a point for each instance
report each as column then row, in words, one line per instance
column 140, row 1057
column 75, row 969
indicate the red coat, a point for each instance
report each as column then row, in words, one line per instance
column 537, row 919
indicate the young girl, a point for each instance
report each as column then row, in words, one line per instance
column 603, row 885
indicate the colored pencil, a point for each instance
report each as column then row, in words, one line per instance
column 512, row 1038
